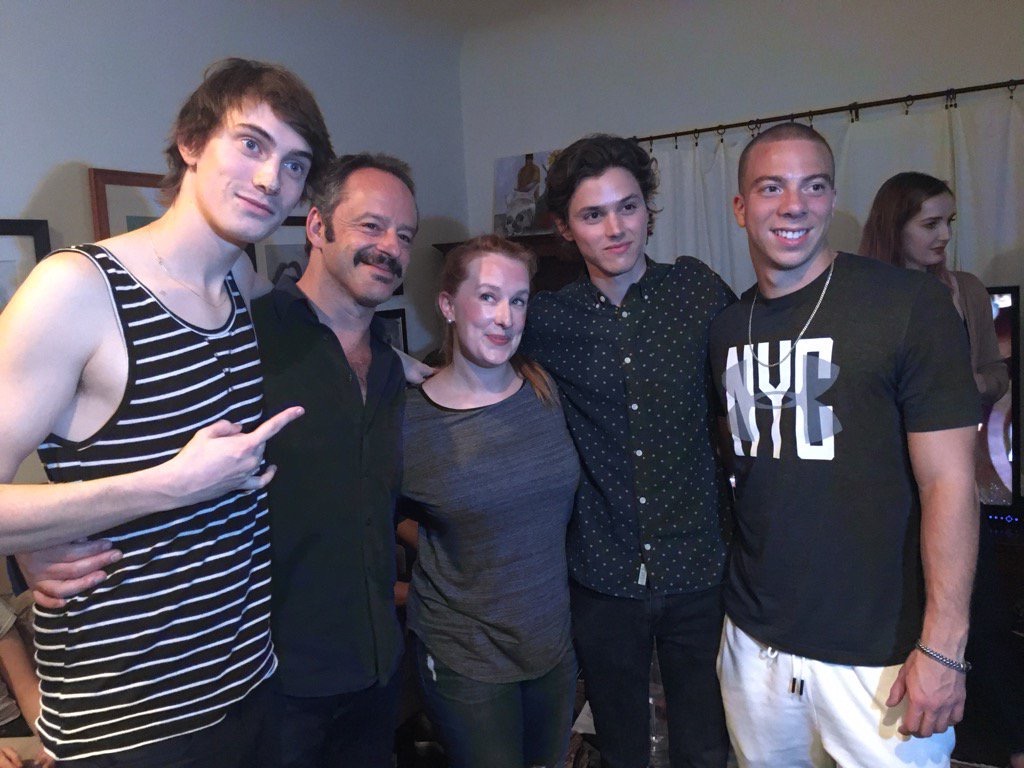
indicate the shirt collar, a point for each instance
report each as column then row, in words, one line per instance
column 288, row 297
column 640, row 291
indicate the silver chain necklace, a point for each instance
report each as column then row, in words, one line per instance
column 750, row 322
column 182, row 283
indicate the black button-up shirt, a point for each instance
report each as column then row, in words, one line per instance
column 652, row 510
column 332, row 501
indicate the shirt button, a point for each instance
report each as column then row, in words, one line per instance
column 639, row 452
column 627, row 360
column 625, row 313
column 643, row 499
column 635, row 407
column 647, row 547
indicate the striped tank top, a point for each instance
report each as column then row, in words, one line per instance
column 180, row 629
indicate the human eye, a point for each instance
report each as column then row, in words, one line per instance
column 371, row 226
column 630, row 206
column 519, row 301
column 818, row 187
column 487, row 296
column 405, row 238
column 250, row 145
column 590, row 216
column 770, row 189
column 296, row 168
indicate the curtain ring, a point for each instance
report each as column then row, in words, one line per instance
column 951, row 99
column 854, row 110
column 906, row 105
column 754, row 126
column 696, row 134
column 810, row 119
column 650, row 146
column 721, row 134
column 1011, row 87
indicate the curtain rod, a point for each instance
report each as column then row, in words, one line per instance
column 853, row 109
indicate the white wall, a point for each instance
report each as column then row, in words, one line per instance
column 664, row 65
column 98, row 82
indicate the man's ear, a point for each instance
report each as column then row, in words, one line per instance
column 739, row 210
column 189, row 154
column 315, row 228
column 563, row 229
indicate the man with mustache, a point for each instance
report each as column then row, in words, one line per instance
column 335, row 629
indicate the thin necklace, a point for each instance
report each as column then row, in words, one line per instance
column 750, row 322
column 186, row 286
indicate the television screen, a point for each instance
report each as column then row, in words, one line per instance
column 998, row 451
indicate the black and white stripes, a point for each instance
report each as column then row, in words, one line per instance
column 180, row 628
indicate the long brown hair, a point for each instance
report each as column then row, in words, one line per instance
column 897, row 201
column 453, row 275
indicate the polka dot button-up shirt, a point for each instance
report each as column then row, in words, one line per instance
column 652, row 510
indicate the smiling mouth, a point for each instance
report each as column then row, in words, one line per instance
column 790, row 234
column 257, row 204
column 502, row 340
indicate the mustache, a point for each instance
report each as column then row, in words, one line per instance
column 374, row 258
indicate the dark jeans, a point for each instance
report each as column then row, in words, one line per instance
column 340, row 731
column 235, row 742
column 500, row 725
column 614, row 637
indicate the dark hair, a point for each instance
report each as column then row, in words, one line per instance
column 897, row 201
column 226, row 85
column 453, row 275
column 786, row 132
column 591, row 156
column 330, row 190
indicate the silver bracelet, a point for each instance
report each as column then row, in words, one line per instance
column 963, row 667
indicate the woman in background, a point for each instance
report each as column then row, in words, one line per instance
column 491, row 466
column 909, row 226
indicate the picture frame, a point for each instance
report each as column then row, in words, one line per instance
column 23, row 244
column 123, row 200
column 395, row 327
column 284, row 251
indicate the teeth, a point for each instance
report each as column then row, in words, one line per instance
column 790, row 234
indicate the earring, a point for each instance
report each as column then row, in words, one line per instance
column 451, row 321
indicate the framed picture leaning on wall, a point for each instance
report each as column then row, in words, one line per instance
column 23, row 244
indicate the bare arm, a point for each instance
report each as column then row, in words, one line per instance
column 943, row 467
column 19, row 673
column 56, row 337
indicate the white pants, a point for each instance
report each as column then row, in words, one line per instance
column 840, row 718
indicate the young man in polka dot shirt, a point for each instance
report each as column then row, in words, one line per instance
column 627, row 345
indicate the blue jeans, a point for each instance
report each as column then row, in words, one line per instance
column 500, row 725
column 337, row 731
column 614, row 637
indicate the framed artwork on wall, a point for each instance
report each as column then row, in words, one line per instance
column 394, row 327
column 123, row 200
column 284, row 252
column 23, row 244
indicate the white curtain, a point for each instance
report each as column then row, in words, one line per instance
column 978, row 147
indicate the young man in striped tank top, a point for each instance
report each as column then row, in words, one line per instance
column 132, row 366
